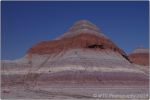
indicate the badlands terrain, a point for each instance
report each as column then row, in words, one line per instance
column 83, row 63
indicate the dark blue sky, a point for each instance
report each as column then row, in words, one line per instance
column 27, row 23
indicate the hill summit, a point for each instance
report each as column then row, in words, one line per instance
column 82, row 35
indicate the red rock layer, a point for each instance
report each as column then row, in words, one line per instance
column 139, row 58
column 83, row 41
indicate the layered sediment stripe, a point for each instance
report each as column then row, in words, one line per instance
column 73, row 68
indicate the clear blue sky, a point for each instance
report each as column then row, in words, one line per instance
column 27, row 23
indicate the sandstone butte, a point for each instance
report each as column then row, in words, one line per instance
column 140, row 56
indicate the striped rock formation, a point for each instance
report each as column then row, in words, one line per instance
column 83, row 54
